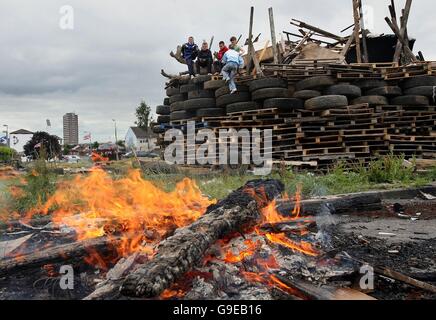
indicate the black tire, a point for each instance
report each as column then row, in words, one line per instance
column 315, row 83
column 389, row 92
column 178, row 97
column 243, row 106
column 225, row 90
column 198, row 94
column 306, row 94
column 426, row 91
column 211, row 112
column 422, row 81
column 232, row 98
column 326, row 102
column 163, row 119
column 171, row 91
column 283, row 104
column 214, row 84
column 179, row 115
column 177, row 106
column 410, row 101
column 163, row 110
column 369, row 84
column 186, row 88
column 267, row 83
column 158, row 129
column 202, row 79
column 203, row 103
column 166, row 102
column 269, row 93
column 348, row 90
column 372, row 100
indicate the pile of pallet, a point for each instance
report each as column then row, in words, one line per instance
column 318, row 120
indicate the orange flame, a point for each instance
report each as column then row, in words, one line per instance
column 131, row 208
column 250, row 251
column 95, row 157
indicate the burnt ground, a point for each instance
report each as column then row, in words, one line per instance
column 383, row 239
column 405, row 243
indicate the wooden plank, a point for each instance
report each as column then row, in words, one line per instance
column 357, row 30
column 273, row 35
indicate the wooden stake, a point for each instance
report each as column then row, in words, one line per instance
column 273, row 35
column 404, row 21
column 357, row 30
column 362, row 22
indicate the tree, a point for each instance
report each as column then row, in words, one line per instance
column 95, row 145
column 143, row 116
column 43, row 140
column 120, row 143
column 6, row 154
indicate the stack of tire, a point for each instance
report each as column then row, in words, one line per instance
column 201, row 100
column 323, row 92
column 176, row 99
column 163, row 117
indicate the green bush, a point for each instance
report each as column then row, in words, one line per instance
column 6, row 154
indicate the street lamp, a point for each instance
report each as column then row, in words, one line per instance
column 116, row 138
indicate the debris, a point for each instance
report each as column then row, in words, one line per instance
column 6, row 247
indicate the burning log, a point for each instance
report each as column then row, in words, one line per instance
column 72, row 251
column 179, row 253
column 289, row 226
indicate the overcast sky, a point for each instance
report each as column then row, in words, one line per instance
column 112, row 58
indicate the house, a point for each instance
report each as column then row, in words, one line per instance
column 139, row 140
column 19, row 138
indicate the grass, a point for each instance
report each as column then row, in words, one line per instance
column 386, row 173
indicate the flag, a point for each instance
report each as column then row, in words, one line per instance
column 87, row 137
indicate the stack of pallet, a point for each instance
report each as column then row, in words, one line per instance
column 321, row 119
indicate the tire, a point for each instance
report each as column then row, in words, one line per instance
column 326, row 102
column 177, row 106
column 163, row 110
column 163, row 119
column 214, row 84
column 179, row 115
column 306, row 94
column 242, row 106
column 390, row 92
column 426, row 91
column 269, row 93
column 372, row 100
column 284, row 104
column 198, row 94
column 348, row 90
column 171, row 91
column 188, row 87
column 369, row 84
column 211, row 112
column 267, row 83
column 203, row 103
column 166, row 102
column 315, row 83
column 232, row 98
column 422, row 81
column 410, row 101
column 178, row 97
column 225, row 90
column 202, row 79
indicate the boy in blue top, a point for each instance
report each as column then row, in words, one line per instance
column 189, row 53
column 233, row 61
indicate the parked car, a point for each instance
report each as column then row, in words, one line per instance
column 141, row 154
column 72, row 159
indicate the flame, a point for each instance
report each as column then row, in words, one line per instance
column 95, row 157
column 250, row 251
column 132, row 211
column 283, row 240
